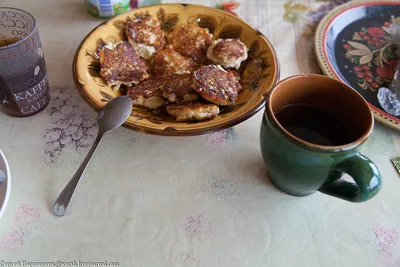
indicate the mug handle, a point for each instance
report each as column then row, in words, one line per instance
column 366, row 177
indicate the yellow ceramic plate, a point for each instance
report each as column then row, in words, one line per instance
column 259, row 73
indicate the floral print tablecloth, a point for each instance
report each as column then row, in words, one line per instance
column 195, row 201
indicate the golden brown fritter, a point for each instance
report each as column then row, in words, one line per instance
column 169, row 61
column 215, row 85
column 179, row 88
column 145, row 35
column 191, row 41
column 229, row 53
column 120, row 64
column 234, row 74
column 148, row 93
column 236, row 77
column 193, row 111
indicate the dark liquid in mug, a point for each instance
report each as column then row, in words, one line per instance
column 314, row 125
column 5, row 42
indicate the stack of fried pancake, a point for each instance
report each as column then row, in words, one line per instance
column 187, row 73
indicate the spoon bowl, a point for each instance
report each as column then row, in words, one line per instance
column 114, row 113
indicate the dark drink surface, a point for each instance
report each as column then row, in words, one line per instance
column 314, row 125
column 8, row 41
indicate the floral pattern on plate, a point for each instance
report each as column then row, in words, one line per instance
column 373, row 56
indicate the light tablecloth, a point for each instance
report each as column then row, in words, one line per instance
column 189, row 201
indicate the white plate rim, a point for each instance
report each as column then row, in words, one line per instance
column 6, row 183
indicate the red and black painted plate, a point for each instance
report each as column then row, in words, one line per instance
column 353, row 44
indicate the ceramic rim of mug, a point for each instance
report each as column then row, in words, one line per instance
column 306, row 144
column 24, row 37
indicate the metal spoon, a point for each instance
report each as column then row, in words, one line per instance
column 113, row 115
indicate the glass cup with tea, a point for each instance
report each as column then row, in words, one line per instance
column 24, row 87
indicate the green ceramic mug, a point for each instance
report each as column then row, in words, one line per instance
column 300, row 168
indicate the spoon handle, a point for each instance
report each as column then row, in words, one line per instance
column 61, row 203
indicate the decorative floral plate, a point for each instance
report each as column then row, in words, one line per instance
column 259, row 73
column 352, row 44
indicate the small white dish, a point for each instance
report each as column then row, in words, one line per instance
column 6, row 185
